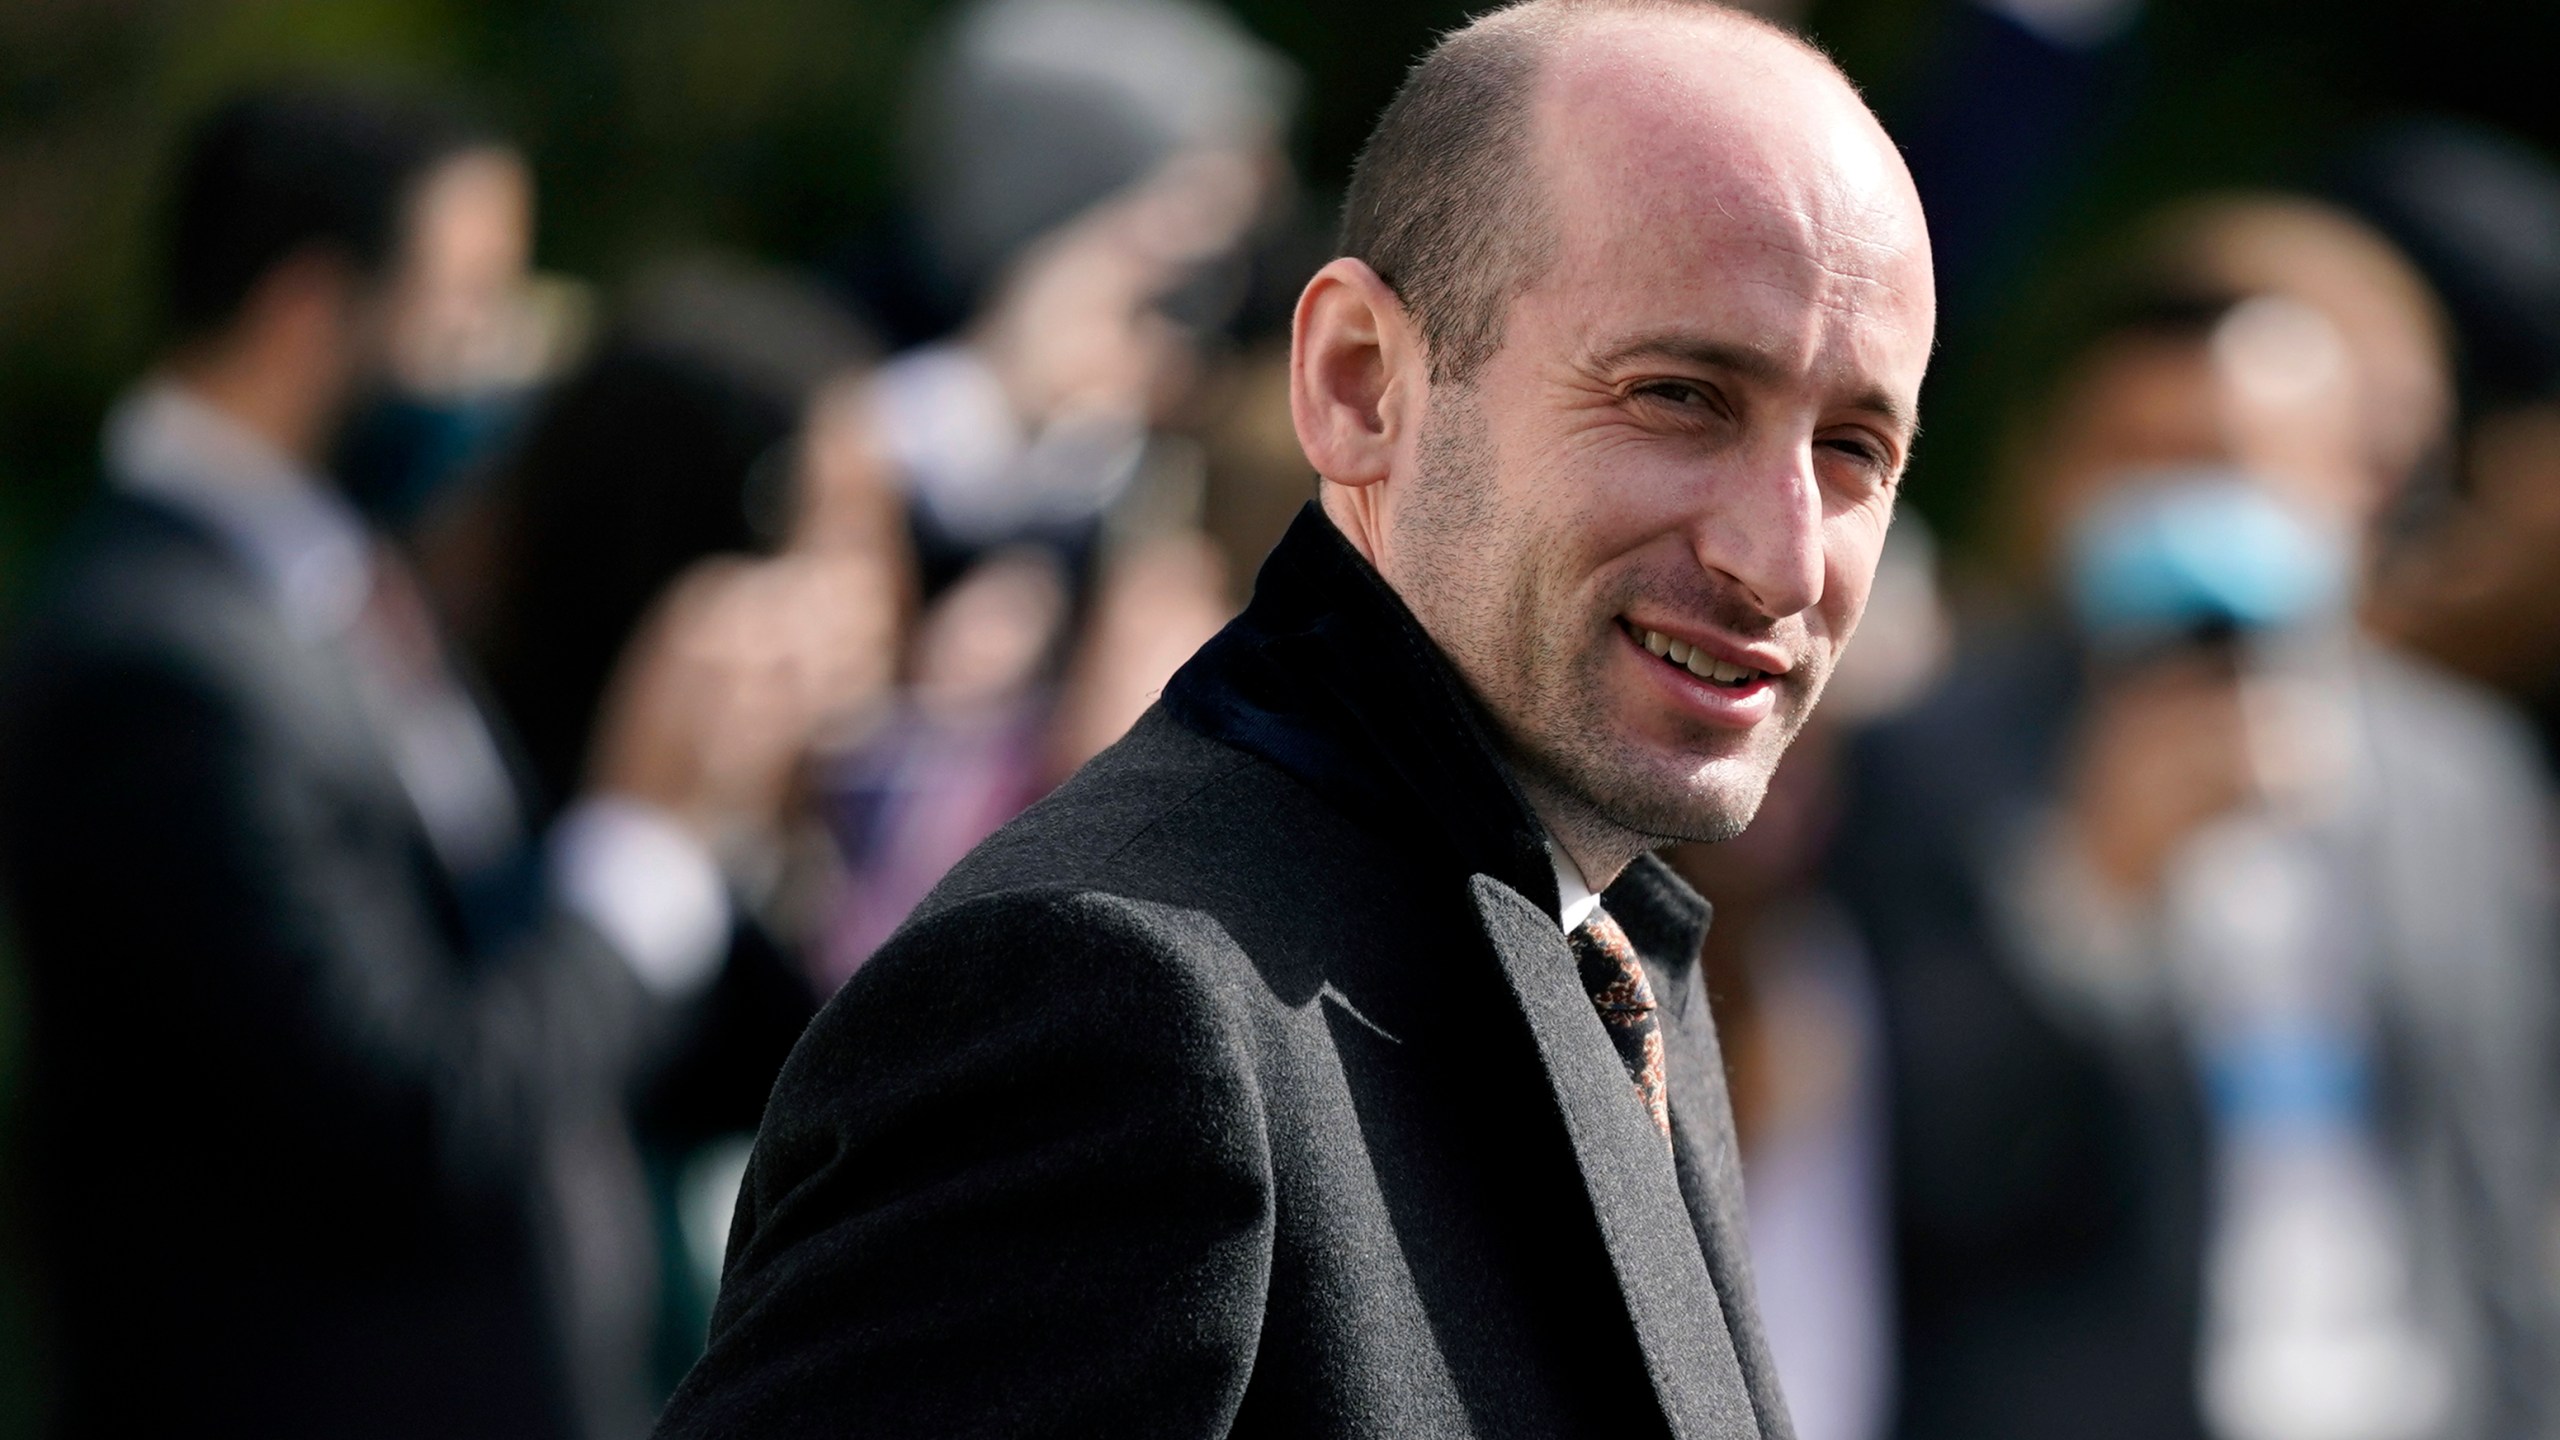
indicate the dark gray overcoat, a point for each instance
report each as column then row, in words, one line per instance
column 1246, row 1086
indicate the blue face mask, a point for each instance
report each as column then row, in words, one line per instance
column 2179, row 554
column 400, row 452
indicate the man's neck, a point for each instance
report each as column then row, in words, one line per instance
column 279, row 409
column 1597, row 849
column 1601, row 851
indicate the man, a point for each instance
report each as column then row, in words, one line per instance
column 1250, row 1083
column 328, row 1098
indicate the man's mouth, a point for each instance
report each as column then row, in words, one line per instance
column 1693, row 659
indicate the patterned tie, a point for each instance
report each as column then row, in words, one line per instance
column 1615, row 978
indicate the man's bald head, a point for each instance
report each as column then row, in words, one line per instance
column 1448, row 203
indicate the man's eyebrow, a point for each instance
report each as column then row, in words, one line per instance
column 1753, row 364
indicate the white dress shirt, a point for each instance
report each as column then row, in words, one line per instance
column 1574, row 900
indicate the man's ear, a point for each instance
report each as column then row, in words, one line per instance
column 1352, row 373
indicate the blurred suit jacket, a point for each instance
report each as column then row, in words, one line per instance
column 315, row 1126
column 1246, row 1086
column 2051, row 1172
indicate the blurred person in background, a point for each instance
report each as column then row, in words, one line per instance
column 1008, row 691
column 2010, row 107
column 1092, row 175
column 2474, row 586
column 718, row 415
column 722, row 414
column 331, row 1045
column 2216, row 939
column 1086, row 173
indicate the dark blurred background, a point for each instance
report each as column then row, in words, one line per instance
column 768, row 129
column 769, row 126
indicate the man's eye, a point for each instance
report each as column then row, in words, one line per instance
column 1676, row 392
column 1863, row 452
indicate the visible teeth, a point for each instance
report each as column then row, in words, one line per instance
column 1698, row 662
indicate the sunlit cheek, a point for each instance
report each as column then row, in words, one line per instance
column 1581, row 525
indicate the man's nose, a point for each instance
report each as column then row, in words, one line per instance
column 1761, row 530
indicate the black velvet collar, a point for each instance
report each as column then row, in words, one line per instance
column 1328, row 676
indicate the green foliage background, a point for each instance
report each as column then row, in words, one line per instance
column 765, row 125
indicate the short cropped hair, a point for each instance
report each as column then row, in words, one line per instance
column 279, row 172
column 1446, row 203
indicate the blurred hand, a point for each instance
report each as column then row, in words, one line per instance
column 2162, row 750
column 845, row 494
column 725, row 687
column 1073, row 333
column 1074, row 329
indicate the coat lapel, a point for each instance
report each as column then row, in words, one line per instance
column 1667, row 923
column 1636, row 1196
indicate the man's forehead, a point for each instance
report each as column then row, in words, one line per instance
column 1716, row 121
column 1699, row 169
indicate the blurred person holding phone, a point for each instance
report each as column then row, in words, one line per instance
column 331, row 1048
column 1088, row 180
column 2215, row 938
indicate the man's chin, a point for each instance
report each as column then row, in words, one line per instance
column 1706, row 820
column 1680, row 798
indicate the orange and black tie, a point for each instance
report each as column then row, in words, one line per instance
column 1615, row 977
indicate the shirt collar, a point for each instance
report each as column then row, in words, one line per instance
column 1574, row 900
column 304, row 542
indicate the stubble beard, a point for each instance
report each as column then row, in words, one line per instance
column 1490, row 593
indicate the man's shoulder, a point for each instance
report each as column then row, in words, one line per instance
column 2425, row 708
column 2452, row 760
column 1171, row 849
column 1161, row 915
column 141, row 620
column 129, row 578
column 1166, row 815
